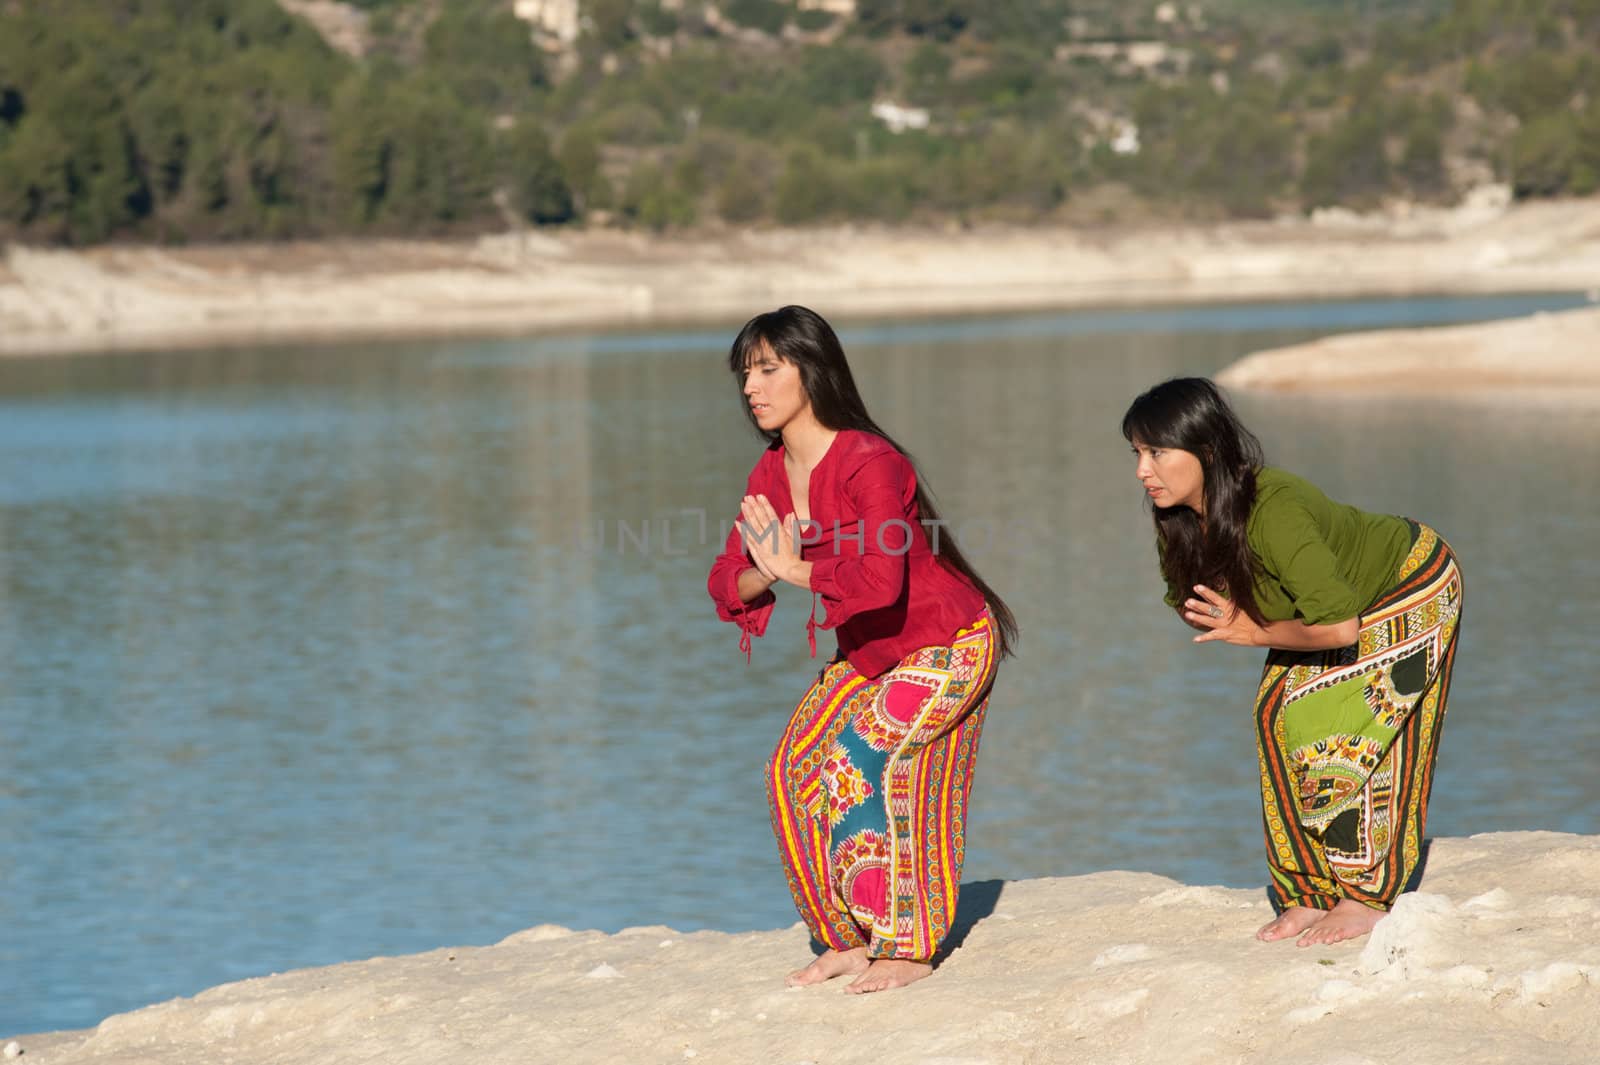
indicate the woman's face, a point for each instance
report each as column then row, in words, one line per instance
column 1171, row 477
column 774, row 390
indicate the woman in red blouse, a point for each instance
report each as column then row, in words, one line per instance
column 868, row 786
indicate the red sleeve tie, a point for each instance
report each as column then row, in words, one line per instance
column 811, row 626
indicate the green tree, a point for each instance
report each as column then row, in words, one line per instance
column 741, row 195
column 580, row 162
column 159, row 117
column 885, row 189
column 813, row 20
column 36, row 178
column 805, row 190
column 363, row 150
column 486, row 55
column 940, row 19
column 204, row 118
column 634, row 123
column 835, row 75
column 735, row 175
column 927, row 72
column 441, row 162
column 1586, row 164
column 1530, row 85
column 656, row 21
column 1347, row 165
column 1031, row 22
column 1210, row 152
column 651, row 199
column 768, row 16
column 1544, row 155
column 108, row 192
column 410, row 158
column 608, row 25
column 1246, row 165
column 1422, row 164
column 1013, row 73
column 1326, row 50
column 539, row 189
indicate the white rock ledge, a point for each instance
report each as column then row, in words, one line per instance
column 1543, row 357
column 1495, row 959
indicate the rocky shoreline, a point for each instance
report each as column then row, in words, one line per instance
column 56, row 301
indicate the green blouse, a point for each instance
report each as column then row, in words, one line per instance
column 1320, row 561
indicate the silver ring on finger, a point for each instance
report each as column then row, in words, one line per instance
column 1216, row 611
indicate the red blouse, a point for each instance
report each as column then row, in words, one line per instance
column 872, row 562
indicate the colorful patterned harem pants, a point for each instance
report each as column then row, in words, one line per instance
column 1347, row 740
column 868, row 794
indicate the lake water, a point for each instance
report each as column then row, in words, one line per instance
column 312, row 655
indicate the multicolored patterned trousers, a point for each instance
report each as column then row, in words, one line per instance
column 1348, row 738
column 868, row 794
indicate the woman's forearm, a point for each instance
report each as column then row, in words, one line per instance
column 752, row 584
column 1298, row 636
column 798, row 574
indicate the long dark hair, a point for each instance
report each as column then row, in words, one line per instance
column 1190, row 414
column 802, row 337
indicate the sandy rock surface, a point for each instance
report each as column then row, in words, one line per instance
column 1495, row 959
column 1547, row 356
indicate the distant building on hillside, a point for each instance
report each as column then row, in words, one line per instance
column 1143, row 56
column 560, row 21
column 555, row 18
column 1169, row 14
column 1117, row 132
column 899, row 119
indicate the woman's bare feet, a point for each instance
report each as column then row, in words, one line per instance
column 830, row 963
column 885, row 973
column 1291, row 922
column 1347, row 920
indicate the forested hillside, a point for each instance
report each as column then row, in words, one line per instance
column 182, row 120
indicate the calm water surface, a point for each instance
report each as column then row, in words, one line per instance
column 314, row 655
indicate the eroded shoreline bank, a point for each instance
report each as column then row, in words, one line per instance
column 127, row 298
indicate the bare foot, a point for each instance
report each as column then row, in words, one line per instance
column 885, row 973
column 1291, row 922
column 829, row 963
column 1347, row 920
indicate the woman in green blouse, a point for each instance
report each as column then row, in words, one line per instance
column 1359, row 613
